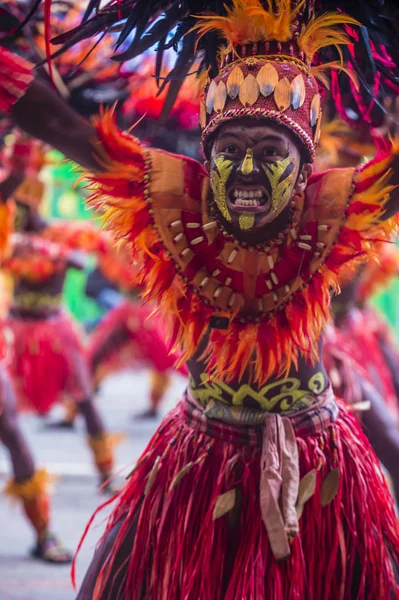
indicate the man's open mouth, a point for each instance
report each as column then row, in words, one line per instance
column 253, row 199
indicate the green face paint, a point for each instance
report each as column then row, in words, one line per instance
column 281, row 187
column 219, row 177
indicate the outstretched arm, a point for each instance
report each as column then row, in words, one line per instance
column 46, row 116
column 37, row 109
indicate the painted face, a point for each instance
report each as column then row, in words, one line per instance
column 254, row 170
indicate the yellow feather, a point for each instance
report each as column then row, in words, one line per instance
column 321, row 32
column 319, row 73
column 248, row 21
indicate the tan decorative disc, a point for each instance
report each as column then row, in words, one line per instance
column 283, row 94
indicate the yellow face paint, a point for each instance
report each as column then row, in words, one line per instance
column 281, row 189
column 247, row 165
column 246, row 221
column 219, row 179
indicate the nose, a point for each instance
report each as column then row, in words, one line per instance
column 248, row 167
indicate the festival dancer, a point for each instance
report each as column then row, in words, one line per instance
column 361, row 358
column 359, row 355
column 241, row 262
column 29, row 486
column 130, row 336
column 46, row 356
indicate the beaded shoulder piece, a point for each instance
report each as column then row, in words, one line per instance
column 262, row 306
column 34, row 258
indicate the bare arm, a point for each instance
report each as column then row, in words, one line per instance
column 46, row 116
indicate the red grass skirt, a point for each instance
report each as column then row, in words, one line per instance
column 129, row 337
column 46, row 359
column 179, row 552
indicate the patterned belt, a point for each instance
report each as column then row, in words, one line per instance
column 279, row 464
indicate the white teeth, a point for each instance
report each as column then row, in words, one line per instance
column 248, row 198
column 242, row 202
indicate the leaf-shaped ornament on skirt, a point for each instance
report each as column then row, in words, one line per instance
column 307, row 488
column 224, row 504
column 330, row 487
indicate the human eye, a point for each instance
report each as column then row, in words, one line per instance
column 229, row 149
column 270, row 152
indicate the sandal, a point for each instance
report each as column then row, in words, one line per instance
column 49, row 549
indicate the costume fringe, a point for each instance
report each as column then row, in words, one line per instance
column 34, row 258
column 46, row 359
column 264, row 349
column 102, row 447
column 15, row 77
column 353, row 353
column 175, row 487
column 129, row 337
column 35, row 498
column 27, row 490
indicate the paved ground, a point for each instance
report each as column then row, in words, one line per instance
column 75, row 498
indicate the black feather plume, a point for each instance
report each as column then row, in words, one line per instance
column 374, row 54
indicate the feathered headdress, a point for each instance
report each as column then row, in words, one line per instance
column 352, row 36
column 342, row 146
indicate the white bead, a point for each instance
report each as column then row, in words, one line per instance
column 193, row 225
column 232, row 256
column 274, row 278
column 197, row 240
column 178, row 237
column 304, row 246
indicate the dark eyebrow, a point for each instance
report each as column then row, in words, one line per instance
column 227, row 134
column 271, row 138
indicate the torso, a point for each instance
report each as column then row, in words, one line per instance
column 288, row 394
